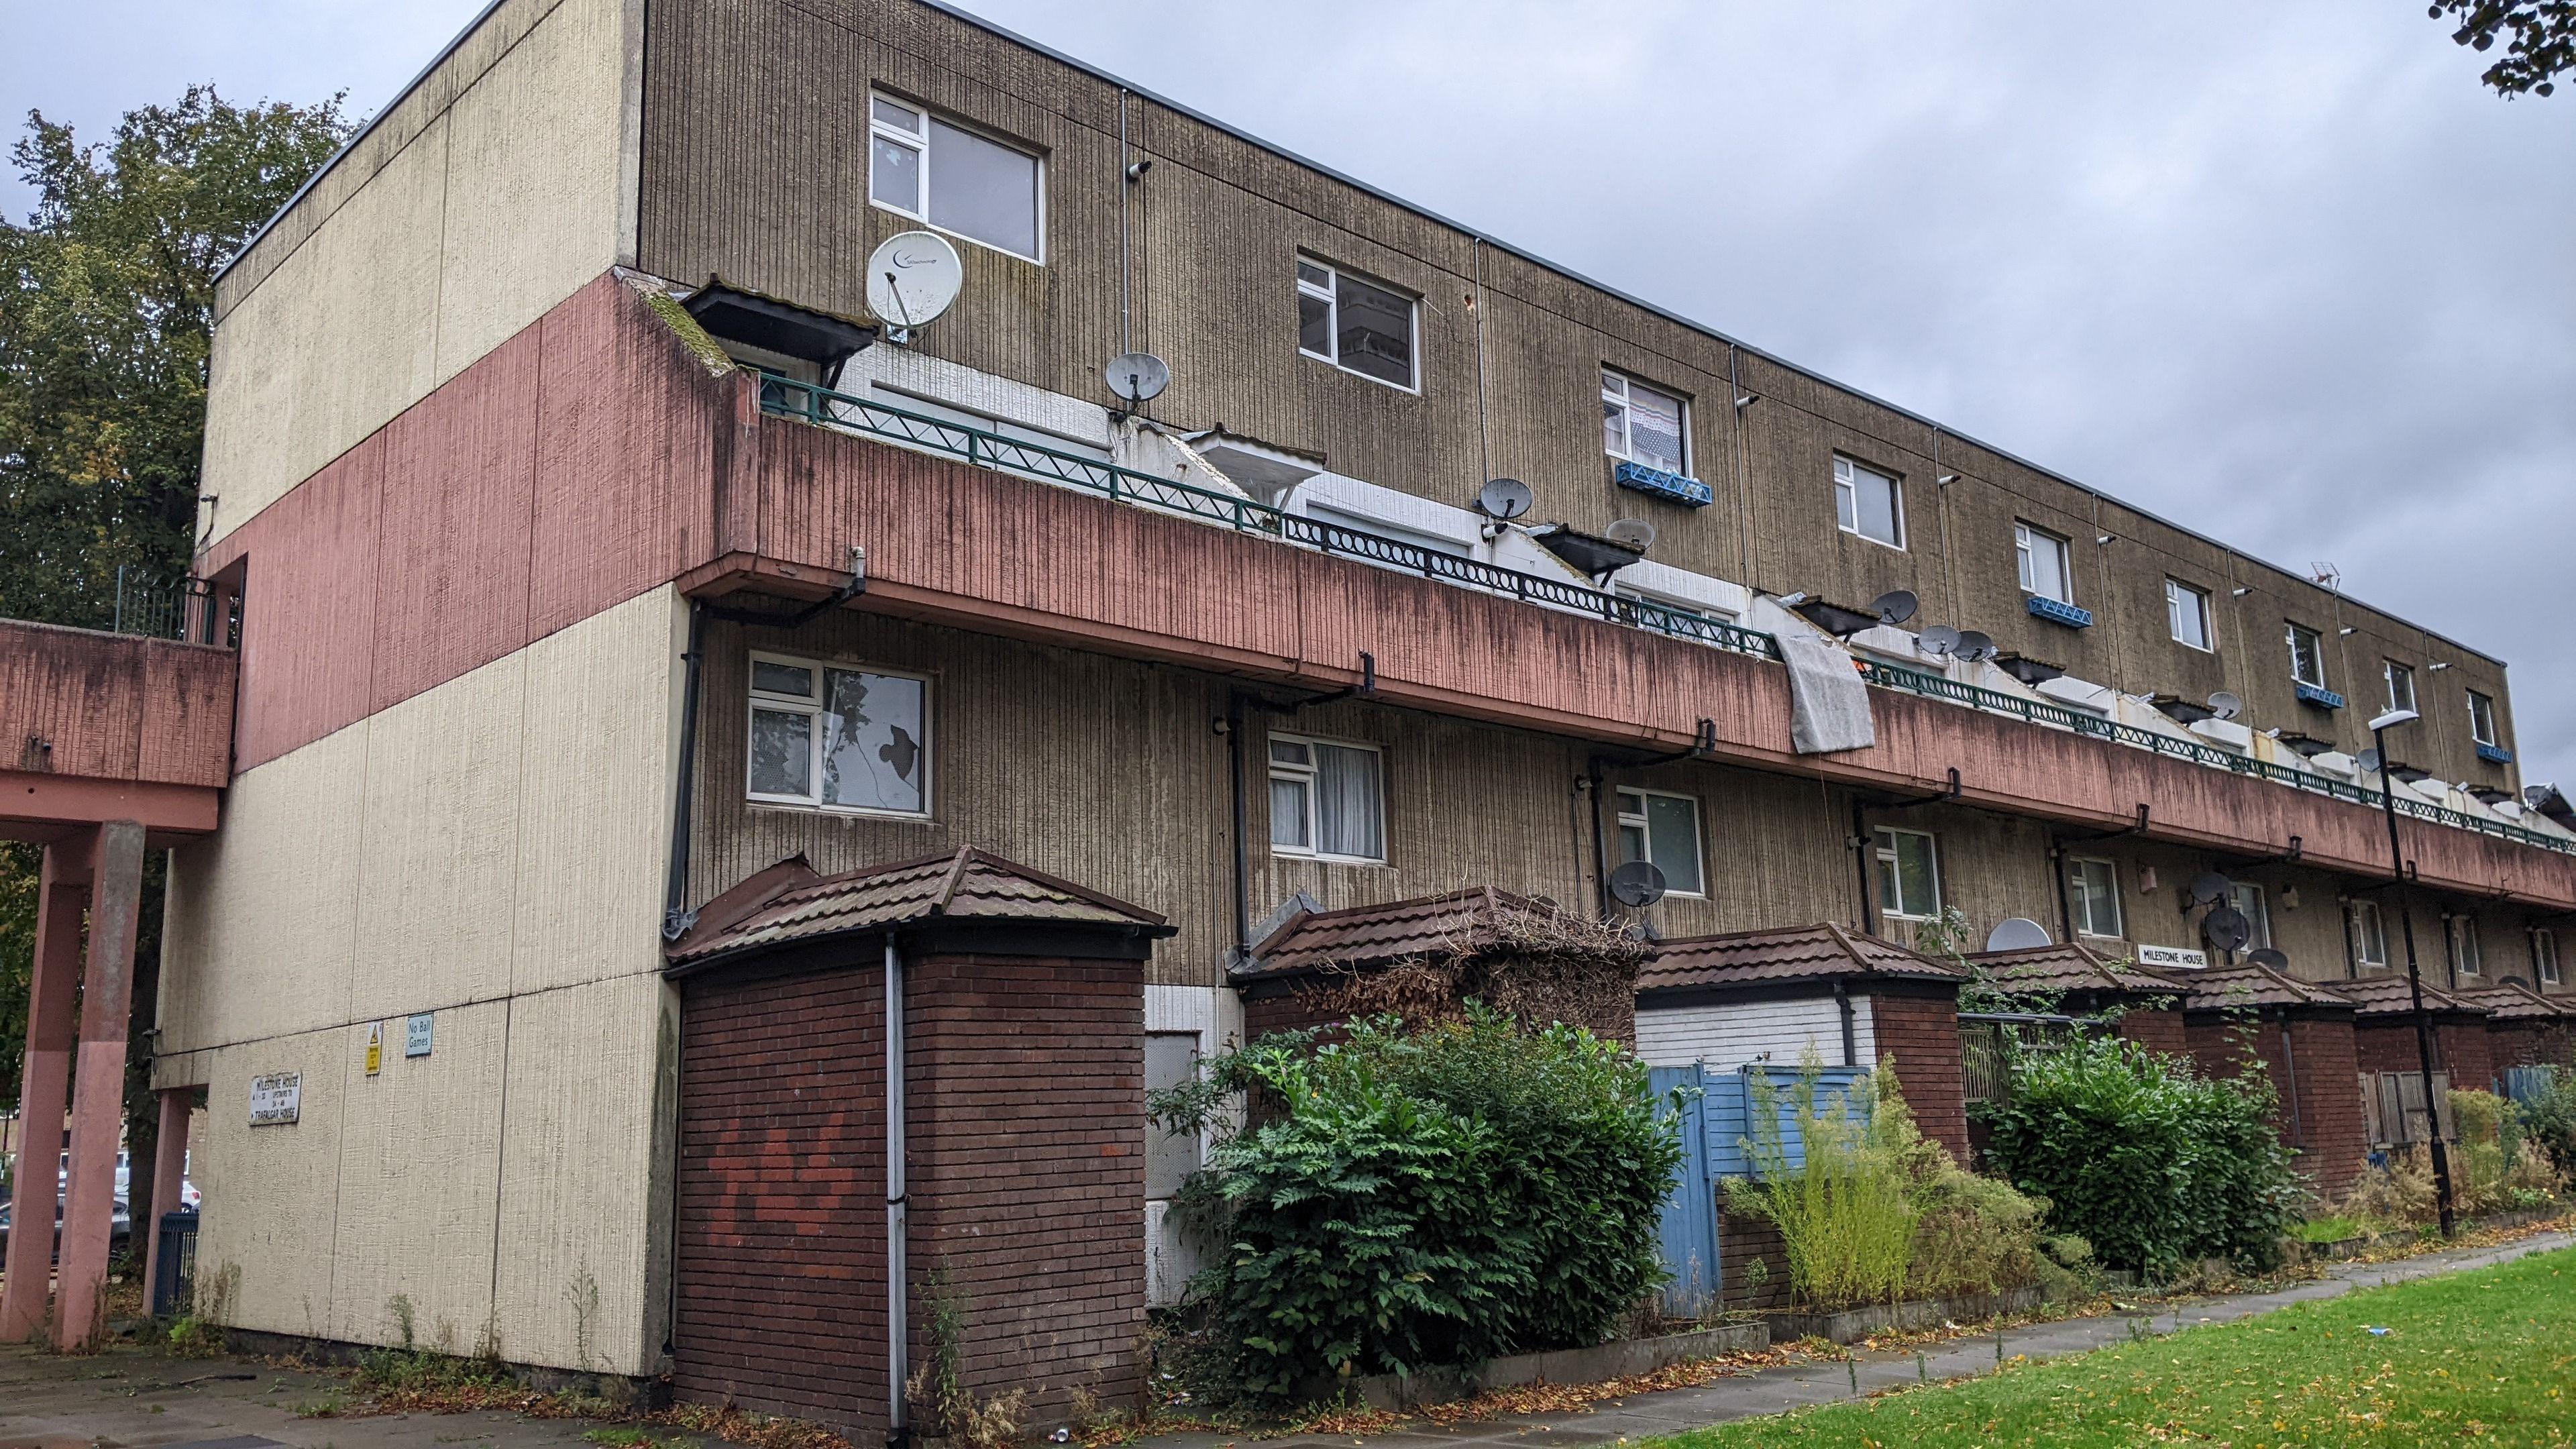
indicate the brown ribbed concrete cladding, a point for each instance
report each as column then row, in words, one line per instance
column 111, row 727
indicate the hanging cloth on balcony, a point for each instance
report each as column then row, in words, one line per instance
column 1828, row 703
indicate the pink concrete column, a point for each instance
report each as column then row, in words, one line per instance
column 45, row 1084
column 98, row 1086
column 169, row 1167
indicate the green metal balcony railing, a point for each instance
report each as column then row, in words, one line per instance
column 785, row 397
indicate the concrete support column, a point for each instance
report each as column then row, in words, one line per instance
column 45, row 1083
column 98, row 1086
column 169, row 1169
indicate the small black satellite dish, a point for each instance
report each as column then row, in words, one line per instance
column 1976, row 646
column 1503, row 498
column 1634, row 533
column 1638, row 883
column 2225, row 705
column 2266, row 956
column 2369, row 760
column 2209, row 888
column 1137, row 377
column 2515, row 981
column 2227, row 928
column 1938, row 640
column 1894, row 607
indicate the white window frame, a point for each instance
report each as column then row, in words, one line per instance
column 2391, row 672
column 2354, row 912
column 1329, row 292
column 2544, row 956
column 1615, row 388
column 1882, row 846
column 2175, row 591
column 918, row 142
column 2028, row 538
column 2466, row 957
column 2316, row 651
column 1640, row 822
column 2085, row 925
column 1847, row 500
column 812, row 707
column 2258, row 921
column 2482, row 724
column 1309, row 774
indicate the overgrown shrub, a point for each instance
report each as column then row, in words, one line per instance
column 2549, row 1121
column 1402, row 1199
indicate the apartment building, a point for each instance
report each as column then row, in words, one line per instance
column 612, row 581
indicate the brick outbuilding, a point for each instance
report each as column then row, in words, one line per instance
column 2302, row 1034
column 2085, row 981
column 2525, row 1028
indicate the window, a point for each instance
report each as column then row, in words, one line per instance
column 2401, row 684
column 1869, row 503
column 2307, row 656
column 2464, row 945
column 1325, row 800
column 958, row 181
column 1662, row 828
column 2544, row 955
column 2369, row 935
column 2187, row 614
column 2093, row 897
column 2247, row 897
column 1355, row 325
column 2044, row 567
column 2482, row 719
column 841, row 739
column 1909, row 875
column 1643, row 424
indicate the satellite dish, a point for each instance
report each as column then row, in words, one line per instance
column 2516, row 981
column 2227, row 928
column 1938, row 640
column 2266, row 956
column 2225, row 705
column 1638, row 883
column 1138, row 377
column 1894, row 607
column 2209, row 888
column 912, row 277
column 1975, row 646
column 1634, row 533
column 2369, row 760
column 2018, row 933
column 1503, row 498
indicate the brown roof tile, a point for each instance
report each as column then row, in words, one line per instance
column 2227, row 987
column 1821, row 952
column 2383, row 996
column 2513, row 1001
column 1446, row 924
column 2070, row 966
column 968, row 885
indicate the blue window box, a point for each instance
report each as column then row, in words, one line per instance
column 2057, row 612
column 2321, row 697
column 2495, row 754
column 1664, row 485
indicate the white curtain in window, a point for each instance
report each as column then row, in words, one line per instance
column 1347, row 803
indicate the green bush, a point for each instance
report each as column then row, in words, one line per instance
column 2152, row 1163
column 1405, row 1200
column 2549, row 1121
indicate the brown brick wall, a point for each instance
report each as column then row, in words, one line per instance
column 2527, row 1044
column 1741, row 1241
column 2332, row 1130
column 2160, row 1031
column 2466, row 1054
column 1919, row 1035
column 2389, row 1046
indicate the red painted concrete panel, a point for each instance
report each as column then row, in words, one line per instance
column 113, row 707
column 308, row 607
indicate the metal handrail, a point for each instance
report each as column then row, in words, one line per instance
column 789, row 398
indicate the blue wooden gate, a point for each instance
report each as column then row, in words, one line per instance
column 1715, row 1111
column 2523, row 1084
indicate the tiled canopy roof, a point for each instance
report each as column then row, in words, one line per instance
column 1454, row 922
column 789, row 903
column 2389, row 995
column 2513, row 1001
column 2225, row 987
column 1821, row 952
column 2071, row 966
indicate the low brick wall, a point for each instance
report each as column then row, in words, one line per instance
column 1918, row 1031
column 2156, row 1030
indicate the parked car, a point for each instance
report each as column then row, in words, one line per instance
column 120, row 1235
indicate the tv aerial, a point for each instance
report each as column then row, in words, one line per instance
column 2224, row 705
column 1504, row 498
column 2018, row 933
column 1976, row 646
column 913, row 276
column 2227, row 928
column 1631, row 533
column 1637, row 884
column 1940, row 641
column 1894, row 607
column 1137, row 378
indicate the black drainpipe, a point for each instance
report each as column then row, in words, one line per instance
column 1860, row 839
column 1593, row 780
column 677, row 918
column 898, row 1206
column 1843, row 1002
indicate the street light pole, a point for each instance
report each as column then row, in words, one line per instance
column 2414, row 974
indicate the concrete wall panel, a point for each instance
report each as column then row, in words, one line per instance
column 264, row 1247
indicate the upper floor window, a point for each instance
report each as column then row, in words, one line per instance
column 2307, row 656
column 2369, row 935
column 2187, row 614
column 2247, row 898
column 1869, row 503
column 2044, row 567
column 2482, row 719
column 841, row 739
column 2464, row 945
column 2544, row 955
column 955, row 179
column 2401, row 684
column 1909, row 875
column 1326, row 800
column 1663, row 828
column 1356, row 325
column 2093, row 897
column 1644, row 424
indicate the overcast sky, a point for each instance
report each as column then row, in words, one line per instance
column 2285, row 273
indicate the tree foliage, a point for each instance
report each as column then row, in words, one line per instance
column 2540, row 38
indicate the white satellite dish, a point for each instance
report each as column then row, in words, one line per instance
column 2018, row 933
column 1137, row 377
column 912, row 278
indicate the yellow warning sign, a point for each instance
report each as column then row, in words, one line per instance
column 375, row 1048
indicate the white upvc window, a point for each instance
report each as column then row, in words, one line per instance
column 2045, row 566
column 1868, row 502
column 2401, row 684
column 2464, row 946
column 2307, row 656
column 1909, row 875
column 2247, row 897
column 1327, row 800
column 1355, row 324
column 839, row 738
column 2544, row 955
column 1663, row 827
column 959, row 181
column 1644, row 424
column 2093, row 897
column 2369, row 932
column 2482, row 719
column 2187, row 615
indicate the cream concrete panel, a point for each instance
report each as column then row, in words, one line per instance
column 440, row 858
column 336, row 342
column 419, row 1168
column 261, row 918
column 581, row 1189
column 595, row 788
column 271, row 1193
column 533, row 179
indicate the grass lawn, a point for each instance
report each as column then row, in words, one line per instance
column 2487, row 1357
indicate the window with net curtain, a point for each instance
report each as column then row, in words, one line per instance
column 1326, row 799
column 1909, row 875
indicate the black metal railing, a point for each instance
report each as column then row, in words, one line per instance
column 174, row 1276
